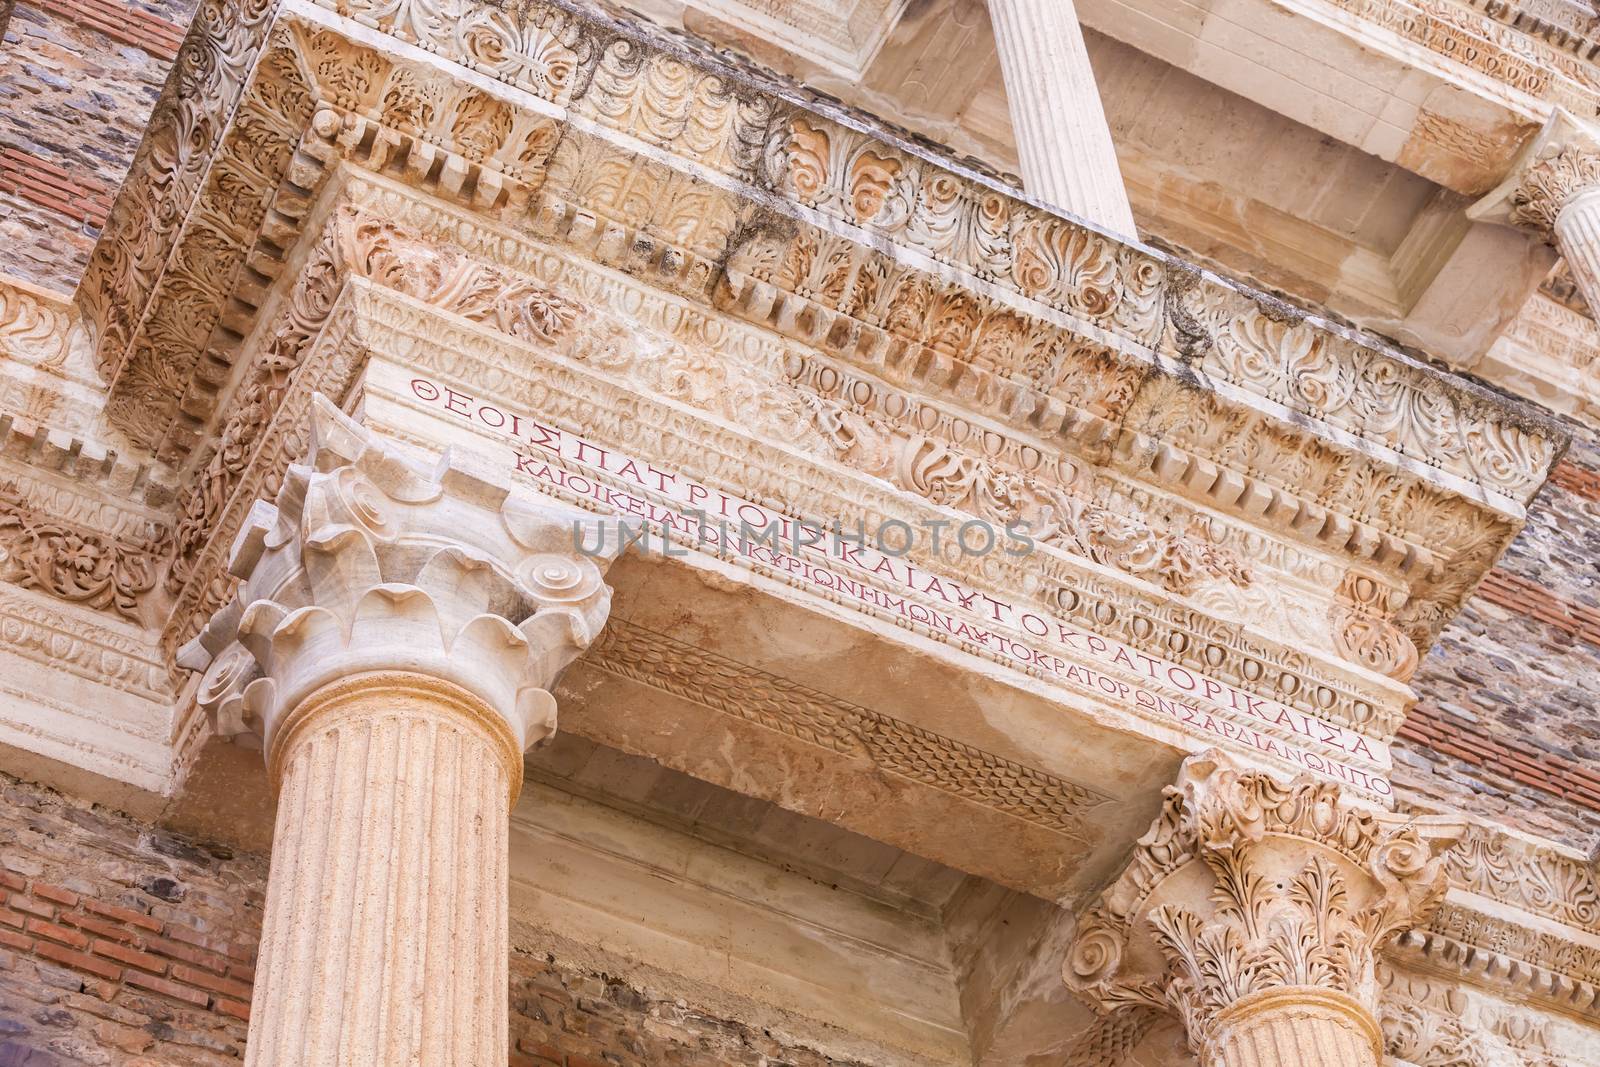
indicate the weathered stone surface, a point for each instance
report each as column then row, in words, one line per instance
column 847, row 806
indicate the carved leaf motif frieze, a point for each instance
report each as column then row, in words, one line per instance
column 72, row 564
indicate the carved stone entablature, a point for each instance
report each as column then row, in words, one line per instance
column 368, row 560
column 796, row 396
column 50, row 378
column 1429, row 1021
column 81, row 523
column 423, row 354
column 1539, row 879
column 830, row 234
column 1249, row 897
column 614, row 327
column 1522, row 918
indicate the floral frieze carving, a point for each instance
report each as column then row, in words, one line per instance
column 1431, row 1022
column 74, row 565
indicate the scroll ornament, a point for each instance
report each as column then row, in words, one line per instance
column 370, row 561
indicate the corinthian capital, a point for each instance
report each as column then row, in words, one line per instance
column 1549, row 184
column 1562, row 162
column 1250, row 900
column 370, row 562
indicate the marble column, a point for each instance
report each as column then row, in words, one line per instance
column 1255, row 911
column 1063, row 143
column 393, row 646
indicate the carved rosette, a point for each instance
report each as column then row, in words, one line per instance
column 1255, row 910
column 368, row 562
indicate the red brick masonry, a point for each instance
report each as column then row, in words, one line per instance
column 1546, row 771
column 121, row 946
column 1530, row 598
column 1576, row 480
column 120, row 22
column 81, row 199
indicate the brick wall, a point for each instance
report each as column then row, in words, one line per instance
column 119, row 944
column 126, row 946
column 1508, row 721
column 77, row 81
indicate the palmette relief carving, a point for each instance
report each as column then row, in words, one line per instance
column 1246, row 888
column 370, row 562
column 32, row 330
column 1539, row 880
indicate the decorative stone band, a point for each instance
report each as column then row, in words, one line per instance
column 369, row 563
column 1256, row 911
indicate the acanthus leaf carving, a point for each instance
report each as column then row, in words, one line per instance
column 74, row 565
column 1301, row 889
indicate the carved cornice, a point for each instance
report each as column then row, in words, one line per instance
column 1106, row 334
column 1432, row 1022
column 570, row 393
column 1246, row 888
column 751, row 378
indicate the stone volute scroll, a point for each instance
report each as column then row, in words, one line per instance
column 1255, row 910
column 394, row 642
column 368, row 563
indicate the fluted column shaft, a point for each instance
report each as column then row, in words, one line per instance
column 1577, row 234
column 1063, row 143
column 385, row 940
column 1293, row 1027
